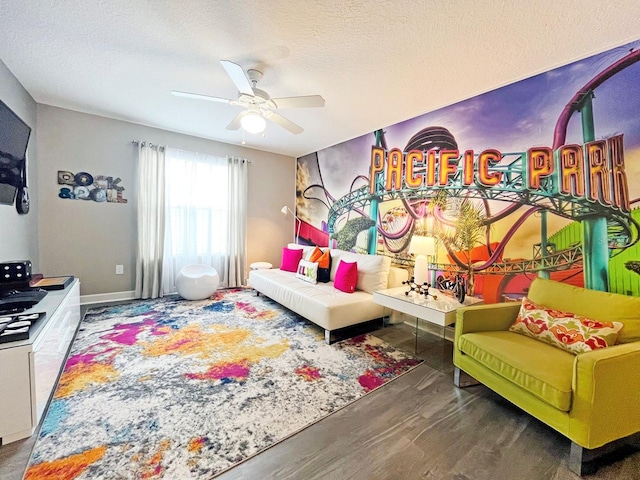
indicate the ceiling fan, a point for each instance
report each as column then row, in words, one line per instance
column 258, row 105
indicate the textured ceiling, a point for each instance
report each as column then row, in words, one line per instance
column 376, row 63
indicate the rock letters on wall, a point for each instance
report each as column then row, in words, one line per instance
column 84, row 186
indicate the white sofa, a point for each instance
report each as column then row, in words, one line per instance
column 322, row 303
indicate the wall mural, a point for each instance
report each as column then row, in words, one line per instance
column 84, row 186
column 533, row 179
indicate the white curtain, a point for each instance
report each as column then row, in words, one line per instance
column 197, row 214
column 151, row 217
column 237, row 222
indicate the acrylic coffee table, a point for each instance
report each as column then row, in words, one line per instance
column 432, row 316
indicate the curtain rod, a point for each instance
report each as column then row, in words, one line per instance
column 152, row 145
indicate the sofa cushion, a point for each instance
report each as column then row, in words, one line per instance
column 573, row 333
column 324, row 267
column 346, row 276
column 602, row 306
column 290, row 259
column 307, row 271
column 315, row 254
column 539, row 368
column 373, row 270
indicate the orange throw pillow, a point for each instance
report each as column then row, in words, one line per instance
column 324, row 261
column 315, row 255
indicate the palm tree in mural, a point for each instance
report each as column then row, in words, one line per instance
column 470, row 231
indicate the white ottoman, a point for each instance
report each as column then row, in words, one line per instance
column 260, row 266
column 197, row 282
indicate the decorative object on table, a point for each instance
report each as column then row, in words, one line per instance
column 15, row 272
column 18, row 327
column 197, row 282
column 53, row 283
column 139, row 376
column 455, row 286
column 16, row 292
column 84, row 186
column 422, row 247
column 420, row 289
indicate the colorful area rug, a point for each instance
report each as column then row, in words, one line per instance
column 175, row 389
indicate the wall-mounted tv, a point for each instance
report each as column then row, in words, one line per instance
column 14, row 137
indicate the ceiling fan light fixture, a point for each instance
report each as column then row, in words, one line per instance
column 253, row 123
column 257, row 105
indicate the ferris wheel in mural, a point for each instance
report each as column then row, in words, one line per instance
column 426, row 211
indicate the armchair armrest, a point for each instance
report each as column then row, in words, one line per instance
column 486, row 318
column 606, row 388
column 480, row 318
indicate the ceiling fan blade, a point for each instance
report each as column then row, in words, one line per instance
column 235, row 123
column 285, row 123
column 308, row 101
column 238, row 77
column 197, row 96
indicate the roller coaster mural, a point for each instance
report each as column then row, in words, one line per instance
column 418, row 188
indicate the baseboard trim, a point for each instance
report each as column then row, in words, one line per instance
column 107, row 297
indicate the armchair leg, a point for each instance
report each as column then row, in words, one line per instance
column 327, row 337
column 576, row 459
column 584, row 461
column 462, row 379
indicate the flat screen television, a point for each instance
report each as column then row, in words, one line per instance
column 14, row 137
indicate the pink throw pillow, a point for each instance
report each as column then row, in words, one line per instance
column 290, row 259
column 346, row 276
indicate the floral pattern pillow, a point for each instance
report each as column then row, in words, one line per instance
column 570, row 332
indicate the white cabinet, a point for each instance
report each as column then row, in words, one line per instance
column 30, row 368
column 15, row 393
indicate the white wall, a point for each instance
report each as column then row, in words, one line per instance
column 19, row 233
column 87, row 239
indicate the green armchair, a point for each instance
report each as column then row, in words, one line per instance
column 593, row 398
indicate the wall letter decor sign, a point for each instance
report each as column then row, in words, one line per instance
column 84, row 186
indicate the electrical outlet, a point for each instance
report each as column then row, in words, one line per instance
column 119, row 269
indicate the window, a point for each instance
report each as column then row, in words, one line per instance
column 196, row 205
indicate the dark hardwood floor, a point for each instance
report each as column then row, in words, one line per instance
column 418, row 426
